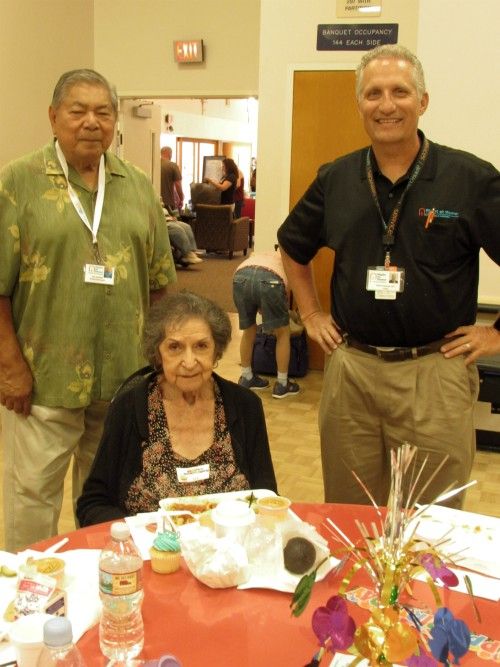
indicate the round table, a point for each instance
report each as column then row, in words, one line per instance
column 205, row 627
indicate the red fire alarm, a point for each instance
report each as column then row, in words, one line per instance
column 188, row 51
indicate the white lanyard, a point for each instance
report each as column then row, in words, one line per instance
column 101, row 185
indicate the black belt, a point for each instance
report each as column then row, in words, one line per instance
column 396, row 353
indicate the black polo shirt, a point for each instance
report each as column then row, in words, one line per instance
column 441, row 262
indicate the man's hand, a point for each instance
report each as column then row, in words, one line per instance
column 321, row 328
column 16, row 385
column 472, row 341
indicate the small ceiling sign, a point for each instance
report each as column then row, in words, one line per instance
column 188, row 51
column 358, row 8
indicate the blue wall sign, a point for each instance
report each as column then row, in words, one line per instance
column 355, row 37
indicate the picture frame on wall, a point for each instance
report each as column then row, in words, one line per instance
column 212, row 167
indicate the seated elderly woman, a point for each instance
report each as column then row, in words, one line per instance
column 177, row 428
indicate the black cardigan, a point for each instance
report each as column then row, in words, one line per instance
column 119, row 457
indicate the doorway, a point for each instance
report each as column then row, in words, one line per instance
column 193, row 128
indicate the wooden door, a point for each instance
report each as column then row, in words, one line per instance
column 325, row 125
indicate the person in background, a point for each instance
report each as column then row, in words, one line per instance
column 239, row 194
column 401, row 353
column 228, row 181
column 260, row 284
column 171, row 181
column 83, row 248
column 182, row 238
column 176, row 428
column 253, row 180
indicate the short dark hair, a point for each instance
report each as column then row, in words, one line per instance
column 74, row 76
column 175, row 309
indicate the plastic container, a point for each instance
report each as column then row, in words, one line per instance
column 121, row 630
column 60, row 651
column 272, row 510
column 232, row 519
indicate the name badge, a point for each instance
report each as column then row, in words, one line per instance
column 386, row 283
column 99, row 274
column 193, row 474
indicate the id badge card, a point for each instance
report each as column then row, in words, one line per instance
column 386, row 283
column 99, row 274
column 193, row 474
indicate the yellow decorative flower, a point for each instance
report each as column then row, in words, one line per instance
column 83, row 385
column 34, row 269
column 14, row 230
column 29, row 355
column 158, row 272
column 8, row 195
column 118, row 262
column 59, row 193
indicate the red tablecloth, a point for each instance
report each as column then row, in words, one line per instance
column 204, row 627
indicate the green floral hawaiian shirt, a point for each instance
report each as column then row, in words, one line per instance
column 80, row 339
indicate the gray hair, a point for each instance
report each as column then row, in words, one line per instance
column 172, row 311
column 398, row 52
column 75, row 76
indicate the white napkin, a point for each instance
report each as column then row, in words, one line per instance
column 81, row 584
column 473, row 539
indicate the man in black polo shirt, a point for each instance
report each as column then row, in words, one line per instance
column 406, row 219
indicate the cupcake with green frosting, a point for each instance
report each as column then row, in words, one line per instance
column 166, row 553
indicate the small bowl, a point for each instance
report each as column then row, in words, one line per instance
column 272, row 509
column 52, row 567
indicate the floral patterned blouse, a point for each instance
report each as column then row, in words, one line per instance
column 158, row 477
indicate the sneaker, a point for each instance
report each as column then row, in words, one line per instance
column 255, row 383
column 282, row 391
column 191, row 258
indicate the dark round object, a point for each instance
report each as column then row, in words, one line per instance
column 299, row 554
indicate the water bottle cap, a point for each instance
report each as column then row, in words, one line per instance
column 57, row 631
column 120, row 531
column 168, row 661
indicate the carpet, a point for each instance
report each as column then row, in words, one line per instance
column 212, row 278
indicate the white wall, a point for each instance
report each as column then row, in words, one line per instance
column 134, row 46
column 39, row 40
column 460, row 50
column 234, row 121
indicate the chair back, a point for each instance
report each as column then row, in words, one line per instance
column 216, row 229
column 204, row 193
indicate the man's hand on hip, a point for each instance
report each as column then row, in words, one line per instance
column 16, row 385
column 473, row 341
column 321, row 328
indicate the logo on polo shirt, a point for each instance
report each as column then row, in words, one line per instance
column 437, row 213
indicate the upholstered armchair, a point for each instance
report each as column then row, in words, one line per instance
column 216, row 229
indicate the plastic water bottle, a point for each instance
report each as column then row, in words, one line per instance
column 60, row 651
column 121, row 630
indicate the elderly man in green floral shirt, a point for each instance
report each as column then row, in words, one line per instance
column 83, row 248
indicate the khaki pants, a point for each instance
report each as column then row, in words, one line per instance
column 369, row 406
column 37, row 454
